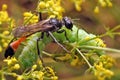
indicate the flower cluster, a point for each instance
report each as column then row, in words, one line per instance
column 12, row 63
column 6, row 24
column 73, row 60
column 103, row 3
column 30, row 18
column 100, row 42
column 37, row 71
column 102, row 66
column 3, row 14
column 107, row 61
column 51, row 7
column 101, row 73
column 96, row 42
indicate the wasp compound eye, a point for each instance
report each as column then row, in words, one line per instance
column 68, row 23
column 55, row 22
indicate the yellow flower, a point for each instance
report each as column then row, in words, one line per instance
column 4, row 7
column 1, row 49
column 107, row 61
column 78, row 4
column 39, row 62
column 96, row 10
column 5, row 32
column 51, row 3
column 16, row 66
column 100, row 42
column 78, row 8
column 51, row 70
column 20, row 78
column 102, row 3
column 14, row 74
column 67, row 56
column 110, row 4
column 3, row 14
column 41, row 75
column 59, row 9
column 102, row 73
column 30, row 18
column 52, row 7
column 2, row 40
column 34, row 67
column 14, row 59
column 105, row 3
column 54, row 78
column 41, row 5
column 10, row 61
column 5, row 44
column 27, row 14
column 75, row 61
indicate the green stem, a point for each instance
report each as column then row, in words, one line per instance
column 116, row 33
column 50, row 55
column 9, row 73
column 100, row 48
column 115, row 28
column 84, row 58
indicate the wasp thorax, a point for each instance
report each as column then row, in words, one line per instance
column 55, row 22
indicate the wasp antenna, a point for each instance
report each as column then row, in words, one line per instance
column 76, row 19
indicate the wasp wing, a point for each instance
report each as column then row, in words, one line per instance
column 41, row 26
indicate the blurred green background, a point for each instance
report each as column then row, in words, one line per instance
column 91, row 22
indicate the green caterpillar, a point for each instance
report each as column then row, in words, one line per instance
column 29, row 54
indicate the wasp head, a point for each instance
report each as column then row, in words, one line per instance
column 68, row 23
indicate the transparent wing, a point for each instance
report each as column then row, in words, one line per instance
column 31, row 29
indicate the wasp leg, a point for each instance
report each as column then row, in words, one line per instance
column 40, row 16
column 57, row 41
column 61, row 31
column 38, row 50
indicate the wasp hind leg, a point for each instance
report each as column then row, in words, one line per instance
column 38, row 50
column 40, row 16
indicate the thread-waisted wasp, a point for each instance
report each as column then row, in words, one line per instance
column 44, row 26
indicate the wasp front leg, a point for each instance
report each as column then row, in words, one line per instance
column 65, row 33
column 51, row 35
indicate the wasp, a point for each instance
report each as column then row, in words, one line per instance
column 47, row 26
